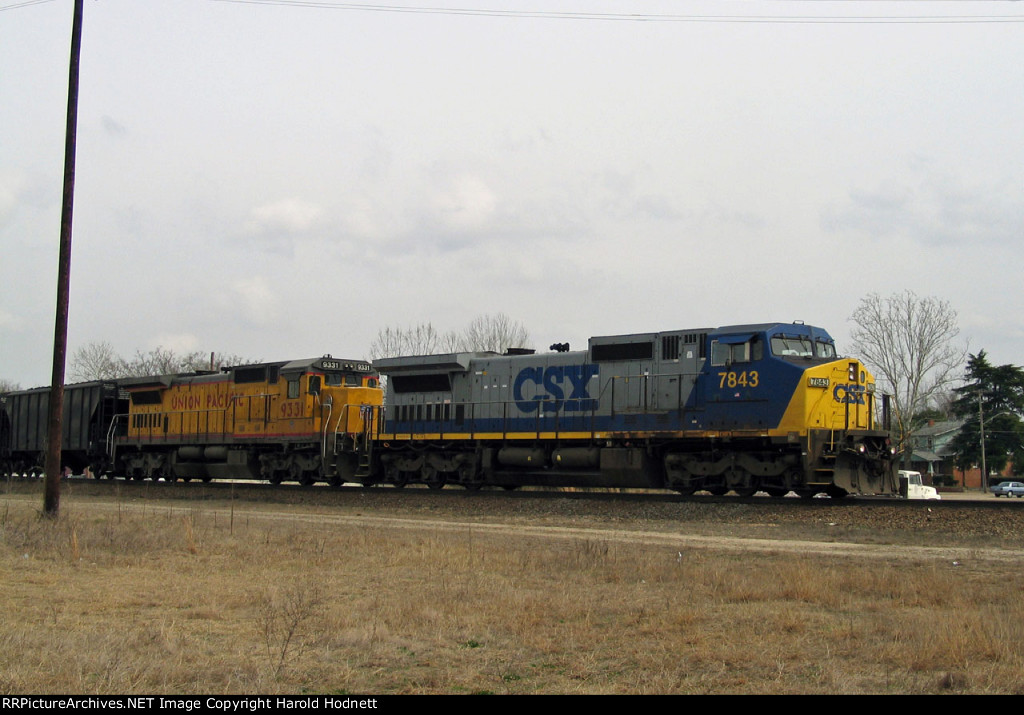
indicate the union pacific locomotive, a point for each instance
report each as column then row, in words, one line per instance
column 767, row 407
column 744, row 408
column 303, row 420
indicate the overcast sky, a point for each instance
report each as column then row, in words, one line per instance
column 284, row 180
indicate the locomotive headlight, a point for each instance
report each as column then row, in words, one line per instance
column 862, row 448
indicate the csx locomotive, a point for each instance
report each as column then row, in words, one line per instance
column 743, row 408
column 767, row 407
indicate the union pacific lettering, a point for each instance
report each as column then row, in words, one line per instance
column 551, row 385
column 186, row 402
column 217, row 401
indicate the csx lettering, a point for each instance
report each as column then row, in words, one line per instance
column 553, row 382
column 849, row 394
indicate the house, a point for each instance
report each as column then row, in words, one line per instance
column 932, row 450
column 933, row 457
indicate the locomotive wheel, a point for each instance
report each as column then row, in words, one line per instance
column 433, row 478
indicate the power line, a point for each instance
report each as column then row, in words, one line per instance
column 19, row 5
column 642, row 17
column 636, row 17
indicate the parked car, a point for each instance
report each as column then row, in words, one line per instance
column 1008, row 489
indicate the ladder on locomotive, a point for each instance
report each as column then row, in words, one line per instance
column 364, row 445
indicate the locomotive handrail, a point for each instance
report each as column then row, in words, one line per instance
column 110, row 432
column 329, row 406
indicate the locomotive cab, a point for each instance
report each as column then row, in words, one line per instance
column 788, row 383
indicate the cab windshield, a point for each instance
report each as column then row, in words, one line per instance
column 801, row 346
column 792, row 347
column 335, row 379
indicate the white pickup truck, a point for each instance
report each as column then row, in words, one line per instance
column 912, row 486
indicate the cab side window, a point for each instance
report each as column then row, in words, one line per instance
column 731, row 353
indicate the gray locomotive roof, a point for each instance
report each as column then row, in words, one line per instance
column 428, row 363
column 452, row 362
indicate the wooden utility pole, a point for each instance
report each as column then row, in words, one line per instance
column 54, row 468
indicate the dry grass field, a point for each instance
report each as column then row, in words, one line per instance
column 139, row 596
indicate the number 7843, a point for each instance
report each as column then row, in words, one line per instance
column 739, row 379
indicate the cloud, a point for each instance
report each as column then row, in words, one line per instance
column 933, row 208
column 10, row 322
column 178, row 342
column 112, row 127
column 278, row 224
column 256, row 300
column 11, row 186
column 466, row 203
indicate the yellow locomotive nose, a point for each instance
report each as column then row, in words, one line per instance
column 839, row 395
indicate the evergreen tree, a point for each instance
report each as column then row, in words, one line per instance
column 993, row 396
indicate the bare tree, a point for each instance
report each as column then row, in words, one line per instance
column 8, row 386
column 496, row 333
column 911, row 344
column 99, row 361
column 420, row 339
column 96, row 361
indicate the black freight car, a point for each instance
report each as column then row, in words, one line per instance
column 89, row 410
